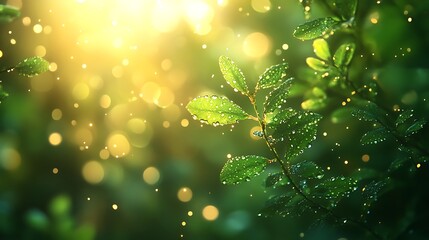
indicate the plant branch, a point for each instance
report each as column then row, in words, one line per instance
column 401, row 139
column 286, row 171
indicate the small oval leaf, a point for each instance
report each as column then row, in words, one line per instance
column 298, row 129
column 319, row 92
column 316, row 28
column 376, row 189
column 233, row 75
column 277, row 97
column 275, row 180
column 32, row 66
column 415, row 127
column 243, row 168
column 306, row 170
column 404, row 116
column 321, row 49
column 369, row 112
column 364, row 174
column 301, row 132
column 216, row 110
column 334, row 189
column 341, row 115
column 317, row 64
column 314, row 104
column 272, row 76
column 279, row 117
column 344, row 55
column 288, row 204
column 375, row 136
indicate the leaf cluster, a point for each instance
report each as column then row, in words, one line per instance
column 288, row 132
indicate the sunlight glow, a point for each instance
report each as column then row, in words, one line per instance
column 199, row 16
column 125, row 23
column 256, row 45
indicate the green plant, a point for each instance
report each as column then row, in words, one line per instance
column 28, row 67
column 301, row 186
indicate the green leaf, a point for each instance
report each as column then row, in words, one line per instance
column 415, row 127
column 366, row 116
column 317, row 64
column 303, row 131
column 344, row 55
column 233, row 75
column 288, row 204
column 272, row 76
column 341, row 115
column 216, row 110
column 364, row 173
column 314, row 104
column 321, row 49
column 404, row 116
column 334, row 189
column 32, row 66
column 398, row 163
column 298, row 129
column 375, row 136
column 318, row 92
column 275, row 180
column 375, row 189
column 306, row 170
column 316, row 28
column 345, row 8
column 369, row 112
column 277, row 97
column 241, row 169
column 279, row 117
column 8, row 13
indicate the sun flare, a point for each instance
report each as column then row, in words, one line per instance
column 121, row 24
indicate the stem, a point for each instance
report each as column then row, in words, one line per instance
column 285, row 166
